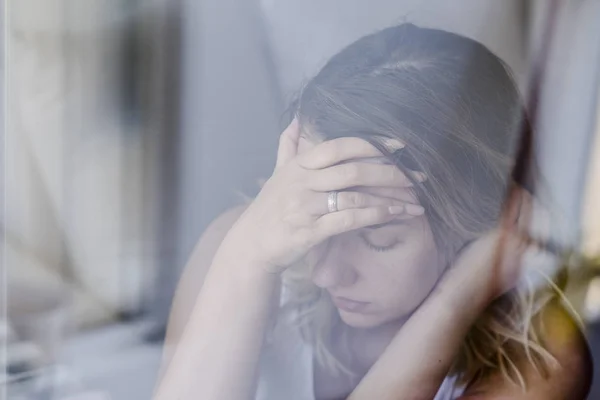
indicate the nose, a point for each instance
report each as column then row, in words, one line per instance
column 334, row 269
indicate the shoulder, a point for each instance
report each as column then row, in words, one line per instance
column 569, row 378
column 208, row 244
column 219, row 227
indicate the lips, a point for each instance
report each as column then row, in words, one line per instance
column 349, row 305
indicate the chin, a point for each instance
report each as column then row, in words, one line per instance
column 358, row 320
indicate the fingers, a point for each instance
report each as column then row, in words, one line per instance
column 288, row 144
column 335, row 151
column 405, row 195
column 533, row 224
column 349, row 175
column 336, row 223
column 518, row 211
column 351, row 199
column 526, row 207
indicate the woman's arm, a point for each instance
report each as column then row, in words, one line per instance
column 215, row 340
column 417, row 360
column 192, row 278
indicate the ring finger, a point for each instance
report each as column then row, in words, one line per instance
column 345, row 200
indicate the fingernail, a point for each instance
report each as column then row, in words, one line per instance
column 396, row 209
column 414, row 209
column 420, row 176
column 392, row 145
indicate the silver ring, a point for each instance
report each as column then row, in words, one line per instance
column 332, row 201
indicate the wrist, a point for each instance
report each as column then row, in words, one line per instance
column 238, row 250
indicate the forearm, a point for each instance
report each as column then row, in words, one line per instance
column 218, row 353
column 419, row 357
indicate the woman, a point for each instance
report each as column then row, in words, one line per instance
column 378, row 261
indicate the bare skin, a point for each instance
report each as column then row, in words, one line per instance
column 228, row 295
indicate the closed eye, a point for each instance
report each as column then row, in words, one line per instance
column 379, row 248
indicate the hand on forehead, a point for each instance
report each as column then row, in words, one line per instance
column 403, row 194
column 307, row 142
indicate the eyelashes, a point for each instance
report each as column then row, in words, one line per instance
column 379, row 249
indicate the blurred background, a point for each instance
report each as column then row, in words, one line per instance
column 131, row 124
